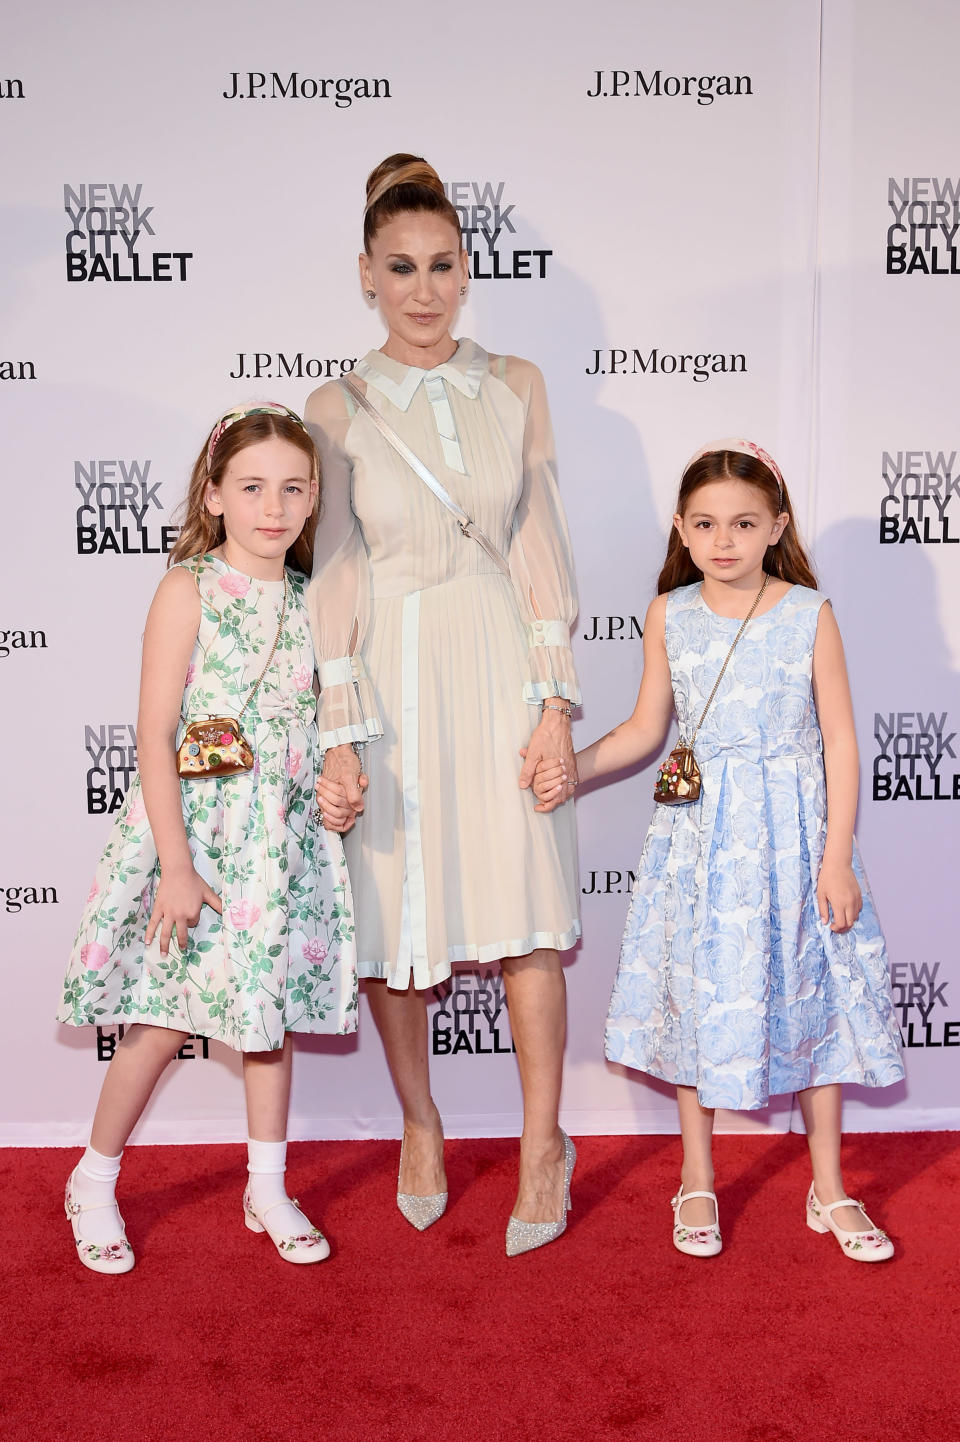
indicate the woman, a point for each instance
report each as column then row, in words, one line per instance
column 438, row 669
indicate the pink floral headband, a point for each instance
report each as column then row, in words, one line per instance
column 229, row 418
column 743, row 448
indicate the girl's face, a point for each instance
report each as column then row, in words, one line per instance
column 265, row 496
column 727, row 528
column 416, row 266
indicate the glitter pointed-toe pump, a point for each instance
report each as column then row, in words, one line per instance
column 526, row 1236
column 420, row 1212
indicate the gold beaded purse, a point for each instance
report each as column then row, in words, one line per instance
column 679, row 779
column 216, row 746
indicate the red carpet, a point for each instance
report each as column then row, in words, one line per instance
column 608, row 1333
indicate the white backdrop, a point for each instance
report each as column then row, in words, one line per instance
column 741, row 224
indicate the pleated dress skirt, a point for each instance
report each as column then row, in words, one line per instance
column 449, row 861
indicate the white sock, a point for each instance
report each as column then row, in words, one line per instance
column 267, row 1165
column 94, row 1185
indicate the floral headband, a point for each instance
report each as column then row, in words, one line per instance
column 743, row 448
column 229, row 418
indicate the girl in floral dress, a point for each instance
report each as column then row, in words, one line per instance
column 220, row 907
column 752, row 961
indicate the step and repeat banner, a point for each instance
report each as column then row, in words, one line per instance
column 885, row 505
column 698, row 221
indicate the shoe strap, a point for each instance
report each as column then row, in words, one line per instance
column 282, row 1202
column 683, row 1196
column 828, row 1207
column 80, row 1208
column 849, row 1202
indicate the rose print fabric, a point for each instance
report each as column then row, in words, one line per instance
column 728, row 981
column 281, row 958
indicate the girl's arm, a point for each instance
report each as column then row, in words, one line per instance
column 168, row 641
column 837, row 887
column 634, row 738
column 644, row 731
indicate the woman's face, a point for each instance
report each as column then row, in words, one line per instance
column 416, row 266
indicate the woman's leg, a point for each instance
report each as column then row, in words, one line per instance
column 821, row 1108
column 537, row 1003
column 696, row 1173
column 401, row 1018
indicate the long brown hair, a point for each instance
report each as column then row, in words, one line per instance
column 199, row 530
column 787, row 559
column 403, row 183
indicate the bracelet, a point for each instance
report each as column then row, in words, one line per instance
column 564, row 709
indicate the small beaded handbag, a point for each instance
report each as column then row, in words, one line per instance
column 678, row 779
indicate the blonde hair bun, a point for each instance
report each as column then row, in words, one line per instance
column 401, row 170
column 403, row 183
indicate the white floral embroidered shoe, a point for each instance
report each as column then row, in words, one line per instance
column 695, row 1241
column 310, row 1245
column 113, row 1256
column 871, row 1245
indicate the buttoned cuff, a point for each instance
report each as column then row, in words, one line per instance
column 340, row 671
column 548, row 633
column 347, row 710
column 551, row 671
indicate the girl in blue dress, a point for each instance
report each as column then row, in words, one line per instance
column 752, row 962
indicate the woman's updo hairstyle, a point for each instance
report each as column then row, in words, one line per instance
column 403, row 183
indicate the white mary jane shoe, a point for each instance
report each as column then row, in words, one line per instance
column 695, row 1241
column 872, row 1245
column 110, row 1257
column 310, row 1245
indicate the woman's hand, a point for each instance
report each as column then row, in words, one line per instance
column 551, row 741
column 838, row 891
column 340, row 788
column 180, row 895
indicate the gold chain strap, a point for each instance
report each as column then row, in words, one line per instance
column 723, row 668
column 273, row 648
column 276, row 639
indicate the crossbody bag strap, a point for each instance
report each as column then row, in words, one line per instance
column 276, row 640
column 716, row 684
column 467, row 526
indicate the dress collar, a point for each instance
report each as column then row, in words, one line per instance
column 398, row 383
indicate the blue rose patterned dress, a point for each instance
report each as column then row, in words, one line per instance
column 728, row 980
column 281, row 958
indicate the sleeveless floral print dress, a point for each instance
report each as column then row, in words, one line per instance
column 281, row 957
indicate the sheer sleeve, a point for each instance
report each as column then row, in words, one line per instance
column 541, row 558
column 338, row 598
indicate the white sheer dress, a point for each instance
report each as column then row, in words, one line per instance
column 439, row 661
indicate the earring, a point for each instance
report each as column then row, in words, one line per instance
column 463, row 290
column 370, row 294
